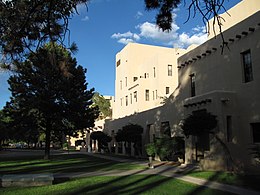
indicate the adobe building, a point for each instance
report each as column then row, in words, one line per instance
column 223, row 81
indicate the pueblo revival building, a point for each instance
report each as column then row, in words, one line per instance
column 224, row 81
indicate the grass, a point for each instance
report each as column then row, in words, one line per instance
column 248, row 181
column 131, row 184
column 65, row 163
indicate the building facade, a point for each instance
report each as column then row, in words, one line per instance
column 145, row 76
column 223, row 81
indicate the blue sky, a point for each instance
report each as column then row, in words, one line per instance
column 105, row 26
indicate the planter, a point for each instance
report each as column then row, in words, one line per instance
column 150, row 164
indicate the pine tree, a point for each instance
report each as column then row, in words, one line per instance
column 50, row 87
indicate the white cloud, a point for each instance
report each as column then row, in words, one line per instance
column 125, row 41
column 185, row 40
column 151, row 31
column 138, row 15
column 86, row 18
column 126, row 37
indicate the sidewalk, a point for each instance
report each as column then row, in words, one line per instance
column 164, row 170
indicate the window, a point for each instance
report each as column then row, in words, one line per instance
column 156, row 95
column 229, row 128
column 167, row 90
column 120, row 84
column 121, row 101
column 256, row 132
column 153, row 95
column 131, row 101
column 135, row 78
column 169, row 70
column 126, row 81
column 247, row 66
column 126, row 100
column 154, row 72
column 118, row 63
column 192, row 81
column 135, row 96
column 146, row 75
column 146, row 95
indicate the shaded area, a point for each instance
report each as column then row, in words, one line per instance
column 131, row 184
column 64, row 163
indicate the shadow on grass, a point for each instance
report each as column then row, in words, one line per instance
column 199, row 189
column 115, row 187
column 72, row 163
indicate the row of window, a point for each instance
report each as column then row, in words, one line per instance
column 132, row 98
column 154, row 93
column 247, row 71
column 255, row 129
column 146, row 75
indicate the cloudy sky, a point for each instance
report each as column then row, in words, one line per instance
column 104, row 27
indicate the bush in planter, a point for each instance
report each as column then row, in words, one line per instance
column 150, row 149
column 163, row 147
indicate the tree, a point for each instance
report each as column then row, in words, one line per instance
column 131, row 133
column 103, row 105
column 102, row 139
column 25, row 25
column 52, row 88
column 206, row 8
column 200, row 124
column 4, row 121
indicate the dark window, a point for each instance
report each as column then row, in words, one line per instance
column 135, row 96
column 256, row 132
column 135, row 78
column 131, row 101
column 167, row 90
column 154, row 72
column 192, row 81
column 120, row 84
column 169, row 70
column 153, row 95
column 146, row 95
column 126, row 100
column 118, row 63
column 126, row 81
column 229, row 128
column 247, row 66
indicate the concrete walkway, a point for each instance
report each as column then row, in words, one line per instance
column 164, row 170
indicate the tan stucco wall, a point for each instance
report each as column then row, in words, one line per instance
column 219, row 77
column 136, row 60
column 236, row 14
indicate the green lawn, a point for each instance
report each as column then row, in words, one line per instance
column 248, row 181
column 131, row 184
column 65, row 163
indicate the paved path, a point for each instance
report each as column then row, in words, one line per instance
column 164, row 170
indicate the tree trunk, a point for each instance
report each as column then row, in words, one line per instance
column 47, row 143
column 1, row 144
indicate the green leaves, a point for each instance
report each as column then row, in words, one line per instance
column 198, row 123
column 25, row 25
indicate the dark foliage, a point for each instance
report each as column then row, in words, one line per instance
column 198, row 123
column 26, row 25
column 51, row 88
column 102, row 138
